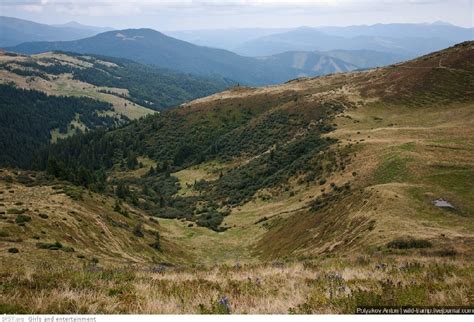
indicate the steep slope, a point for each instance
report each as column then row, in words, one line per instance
column 151, row 47
column 14, row 31
column 57, row 219
column 276, row 168
column 31, row 119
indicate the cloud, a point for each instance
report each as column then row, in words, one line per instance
column 224, row 13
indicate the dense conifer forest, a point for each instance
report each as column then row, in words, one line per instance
column 27, row 118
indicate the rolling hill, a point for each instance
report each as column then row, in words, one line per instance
column 14, row 31
column 319, row 195
column 70, row 93
column 151, row 47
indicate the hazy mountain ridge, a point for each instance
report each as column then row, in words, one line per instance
column 152, row 47
column 310, row 63
column 14, row 31
column 77, row 25
column 362, row 46
column 223, row 38
column 402, row 39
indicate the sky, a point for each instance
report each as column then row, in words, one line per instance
column 209, row 14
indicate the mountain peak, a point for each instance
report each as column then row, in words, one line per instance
column 442, row 23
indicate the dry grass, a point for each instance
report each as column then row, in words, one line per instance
column 325, row 286
column 77, row 218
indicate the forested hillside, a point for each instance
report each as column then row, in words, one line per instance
column 28, row 117
column 279, row 132
column 145, row 85
column 69, row 94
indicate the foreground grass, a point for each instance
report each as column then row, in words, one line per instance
column 325, row 286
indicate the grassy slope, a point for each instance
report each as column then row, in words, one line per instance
column 404, row 156
column 85, row 221
column 63, row 84
column 399, row 156
column 407, row 153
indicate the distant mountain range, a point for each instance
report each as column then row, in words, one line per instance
column 152, row 47
column 403, row 39
column 253, row 56
column 14, row 31
column 77, row 25
column 229, row 38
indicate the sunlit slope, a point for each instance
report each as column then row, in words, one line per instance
column 319, row 167
column 42, row 219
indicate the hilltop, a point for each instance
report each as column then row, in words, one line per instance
column 16, row 31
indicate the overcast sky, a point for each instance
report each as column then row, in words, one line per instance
column 208, row 14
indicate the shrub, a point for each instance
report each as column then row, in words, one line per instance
column 156, row 244
column 447, row 252
column 16, row 211
column 20, row 219
column 408, row 242
column 220, row 306
column 44, row 216
column 13, row 250
column 51, row 246
column 137, row 230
